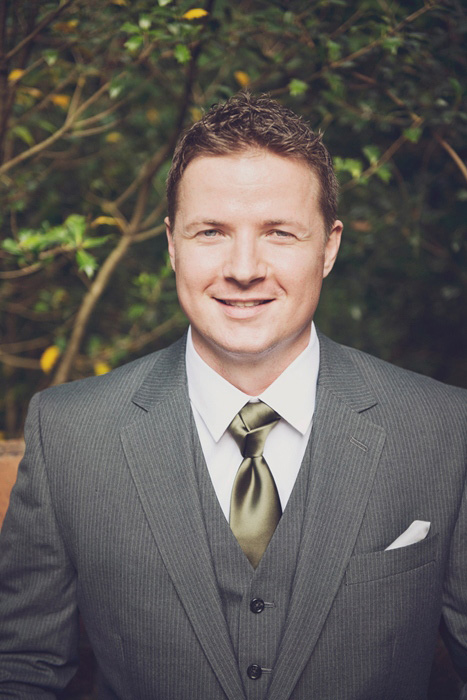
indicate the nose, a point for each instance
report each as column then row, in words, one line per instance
column 244, row 263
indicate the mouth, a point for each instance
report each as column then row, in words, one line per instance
column 244, row 304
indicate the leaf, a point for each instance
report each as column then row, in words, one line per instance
column 242, row 78
column 350, row 165
column 49, row 358
column 75, row 225
column 152, row 115
column 195, row 13
column 163, row 3
column 23, row 133
column 297, row 87
column 384, row 173
column 182, row 53
column 392, row 43
column 196, row 113
column 47, row 126
column 144, row 22
column 136, row 311
column 101, row 368
column 334, row 50
column 130, row 28
column 106, row 221
column 134, row 43
column 16, row 75
column 113, row 137
column 60, row 100
column 87, row 263
column 413, row 133
column 50, row 56
column 372, row 153
column 11, row 246
column 95, row 242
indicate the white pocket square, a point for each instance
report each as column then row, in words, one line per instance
column 417, row 531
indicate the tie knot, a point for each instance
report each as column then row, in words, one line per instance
column 251, row 426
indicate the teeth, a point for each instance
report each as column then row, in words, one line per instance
column 243, row 304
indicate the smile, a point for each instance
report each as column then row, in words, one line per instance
column 243, row 304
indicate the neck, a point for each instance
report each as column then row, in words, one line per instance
column 252, row 374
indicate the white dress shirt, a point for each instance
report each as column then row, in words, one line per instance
column 215, row 402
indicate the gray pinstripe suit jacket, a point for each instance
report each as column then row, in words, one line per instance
column 106, row 516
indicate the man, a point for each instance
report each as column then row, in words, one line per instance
column 255, row 512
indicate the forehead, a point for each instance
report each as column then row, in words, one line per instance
column 248, row 180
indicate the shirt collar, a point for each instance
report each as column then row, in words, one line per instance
column 292, row 394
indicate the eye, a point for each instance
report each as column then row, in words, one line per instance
column 281, row 234
column 209, row 233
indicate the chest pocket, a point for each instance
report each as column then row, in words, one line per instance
column 379, row 565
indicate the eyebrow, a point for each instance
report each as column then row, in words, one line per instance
column 268, row 222
column 207, row 222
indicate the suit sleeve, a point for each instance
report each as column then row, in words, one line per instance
column 38, row 610
column 454, row 622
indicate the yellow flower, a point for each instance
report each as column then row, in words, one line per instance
column 195, row 13
column 242, row 78
column 101, row 368
column 113, row 137
column 119, row 2
column 15, row 75
column 49, row 357
column 61, row 100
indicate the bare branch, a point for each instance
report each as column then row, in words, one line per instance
column 136, row 344
column 66, row 126
column 95, row 130
column 387, row 155
column 23, row 272
column 364, row 49
column 150, row 233
column 46, row 21
column 87, row 307
column 454, row 155
column 15, row 361
column 25, row 345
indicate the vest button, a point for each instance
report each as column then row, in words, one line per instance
column 257, row 605
column 254, row 672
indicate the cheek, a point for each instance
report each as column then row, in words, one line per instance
column 301, row 276
column 194, row 269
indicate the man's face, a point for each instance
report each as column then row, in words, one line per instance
column 249, row 252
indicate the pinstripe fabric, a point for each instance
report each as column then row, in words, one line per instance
column 255, row 637
column 106, row 515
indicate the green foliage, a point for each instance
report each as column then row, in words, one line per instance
column 93, row 111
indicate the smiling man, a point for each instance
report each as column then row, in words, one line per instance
column 255, row 512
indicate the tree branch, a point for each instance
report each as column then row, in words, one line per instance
column 364, row 49
column 456, row 158
column 87, row 307
column 387, row 155
column 15, row 361
column 47, row 20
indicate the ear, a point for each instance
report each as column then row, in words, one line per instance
column 170, row 242
column 332, row 247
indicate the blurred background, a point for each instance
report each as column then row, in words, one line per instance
column 92, row 99
column 93, row 96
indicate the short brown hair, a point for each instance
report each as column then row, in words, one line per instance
column 245, row 122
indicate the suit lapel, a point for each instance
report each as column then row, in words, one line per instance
column 160, row 453
column 346, row 447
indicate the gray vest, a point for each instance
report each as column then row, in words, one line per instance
column 255, row 601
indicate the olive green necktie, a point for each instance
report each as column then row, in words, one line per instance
column 255, row 507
